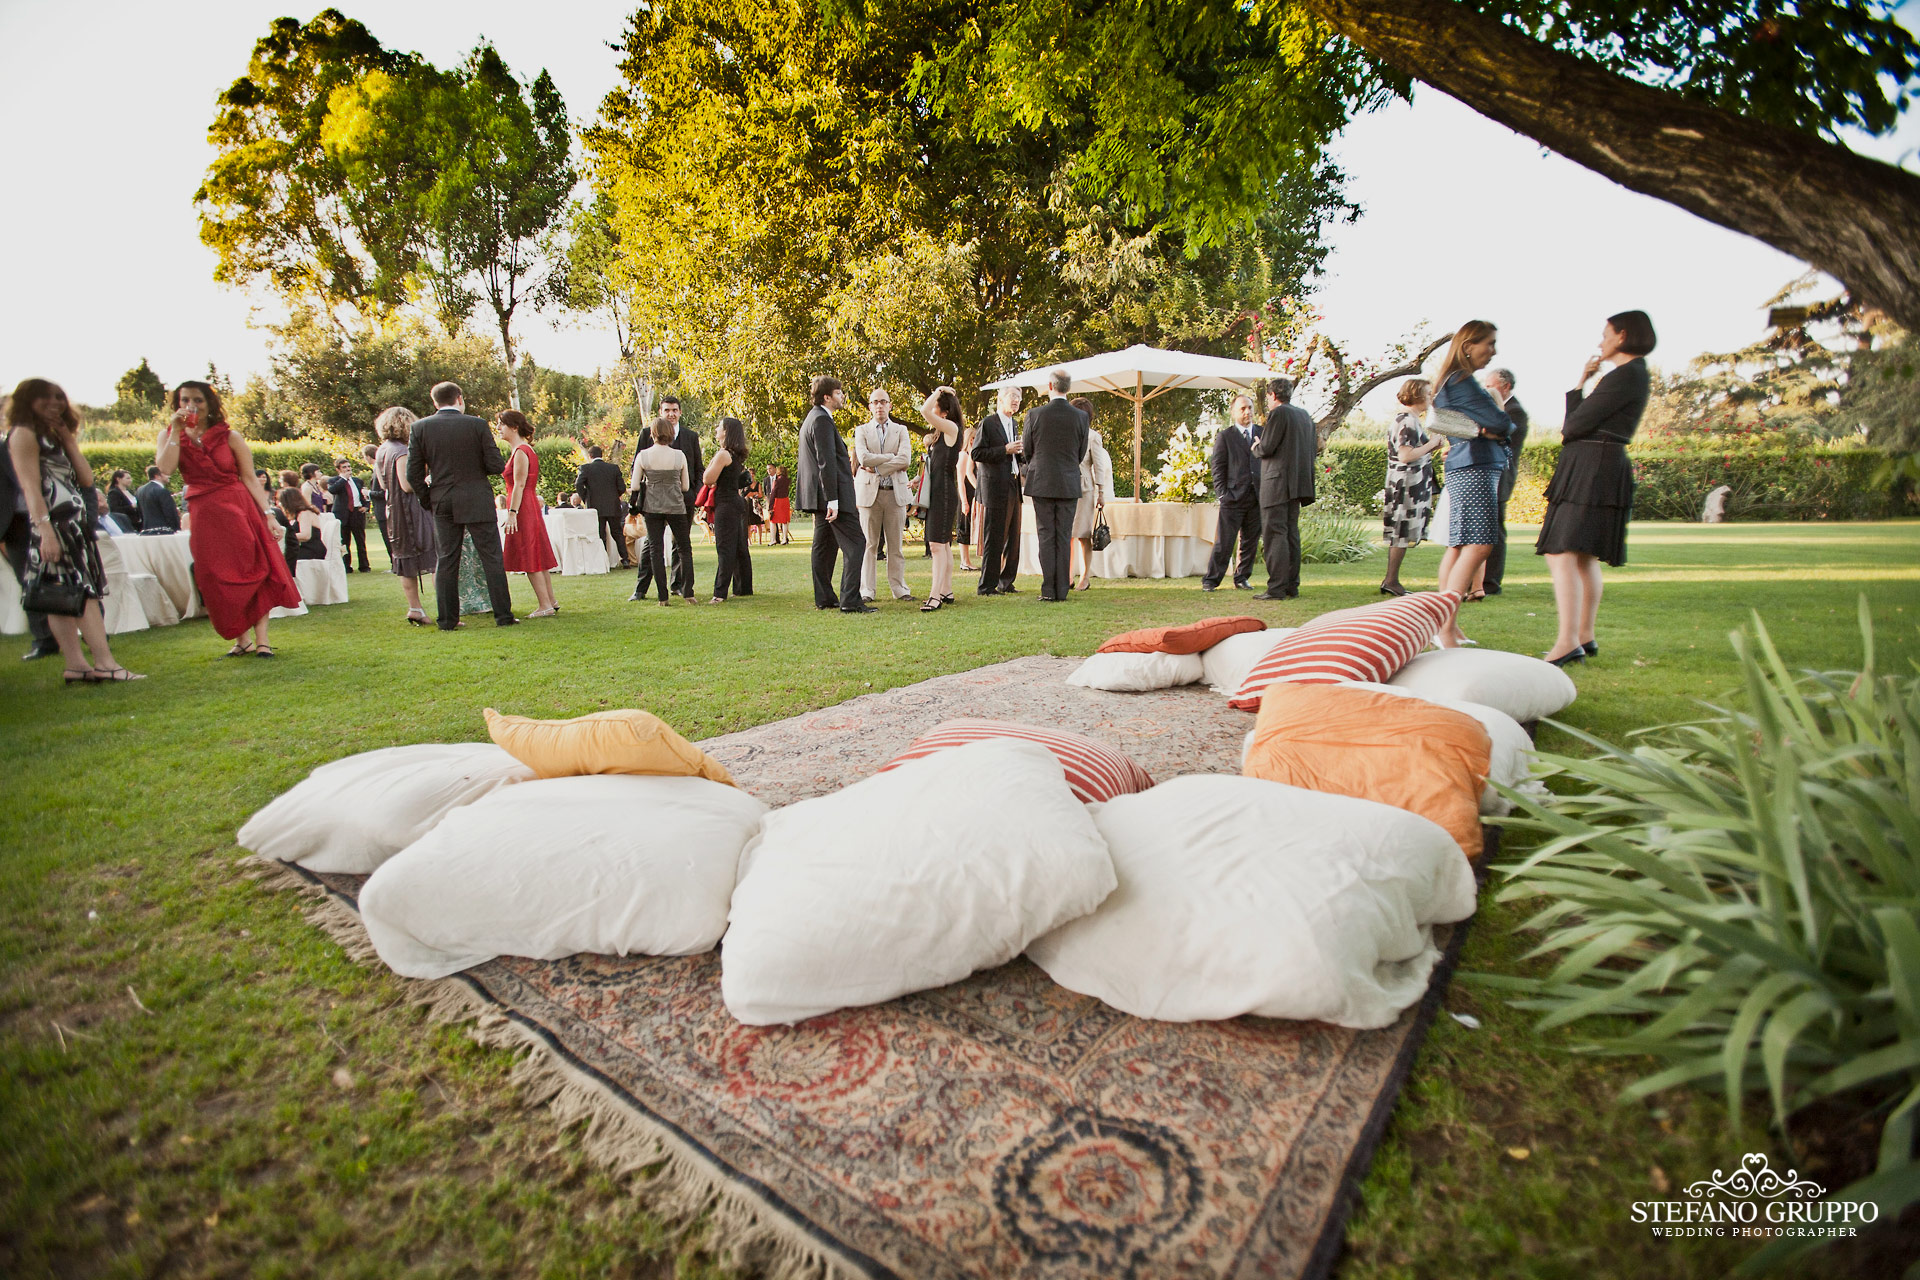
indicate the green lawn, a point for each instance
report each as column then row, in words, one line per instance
column 275, row 1109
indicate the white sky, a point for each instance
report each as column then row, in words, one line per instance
column 106, row 138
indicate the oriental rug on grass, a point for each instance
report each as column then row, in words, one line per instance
column 1002, row 1127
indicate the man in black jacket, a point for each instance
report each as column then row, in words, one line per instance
column 824, row 485
column 1502, row 382
column 1236, row 487
column 1286, row 447
column 350, row 507
column 450, row 464
column 598, row 484
column 1056, row 443
column 996, row 454
column 158, row 514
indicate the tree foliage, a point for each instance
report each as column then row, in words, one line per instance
column 786, row 202
column 141, row 387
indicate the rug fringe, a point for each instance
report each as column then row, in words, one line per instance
column 674, row 1182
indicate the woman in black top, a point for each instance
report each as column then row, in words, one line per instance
column 727, row 473
column 1590, row 498
column 944, row 429
column 301, row 539
column 121, row 502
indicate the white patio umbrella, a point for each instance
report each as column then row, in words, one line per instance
column 1140, row 373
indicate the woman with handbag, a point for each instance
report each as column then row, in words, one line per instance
column 662, row 470
column 941, row 467
column 50, row 543
column 1096, row 486
column 1590, row 498
column 239, row 565
column 1467, row 412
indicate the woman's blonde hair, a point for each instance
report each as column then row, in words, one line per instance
column 1466, row 335
column 1413, row 391
column 395, row 424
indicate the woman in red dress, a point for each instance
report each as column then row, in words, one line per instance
column 238, row 564
column 526, row 549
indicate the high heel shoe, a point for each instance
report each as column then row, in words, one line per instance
column 416, row 619
column 1386, row 590
column 1567, row 659
column 1591, row 648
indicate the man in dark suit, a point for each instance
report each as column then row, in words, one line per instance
column 158, row 514
column 687, row 441
column 450, row 464
column 1501, row 382
column 1286, row 447
column 824, row 481
column 1236, row 486
column 19, row 534
column 1055, row 445
column 996, row 455
column 350, row 506
column 598, row 484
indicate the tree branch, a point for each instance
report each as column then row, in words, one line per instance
column 1349, row 395
column 1846, row 214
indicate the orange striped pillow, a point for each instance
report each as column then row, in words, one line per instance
column 1372, row 646
column 1096, row 772
column 1194, row 637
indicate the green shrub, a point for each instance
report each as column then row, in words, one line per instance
column 1740, row 899
column 1333, row 531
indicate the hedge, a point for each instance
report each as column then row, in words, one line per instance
column 1768, row 483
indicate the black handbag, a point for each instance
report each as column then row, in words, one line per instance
column 1102, row 537
column 50, row 591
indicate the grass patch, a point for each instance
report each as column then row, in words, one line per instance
column 281, row 1111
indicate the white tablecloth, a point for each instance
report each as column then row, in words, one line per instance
column 1140, row 555
column 575, row 535
column 169, row 558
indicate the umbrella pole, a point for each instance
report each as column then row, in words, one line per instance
column 1138, row 401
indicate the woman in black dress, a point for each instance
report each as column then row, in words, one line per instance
column 942, row 412
column 1590, row 498
column 727, row 473
column 300, row 536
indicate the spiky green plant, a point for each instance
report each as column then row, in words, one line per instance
column 1738, row 897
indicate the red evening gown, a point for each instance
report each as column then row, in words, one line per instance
column 238, row 565
column 526, row 550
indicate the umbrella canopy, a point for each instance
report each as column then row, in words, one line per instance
column 1140, row 373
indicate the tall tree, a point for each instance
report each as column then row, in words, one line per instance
column 1726, row 109
column 273, row 206
column 476, row 168
column 141, row 386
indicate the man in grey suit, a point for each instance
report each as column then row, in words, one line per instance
column 451, row 462
column 824, row 478
column 1236, row 487
column 1286, row 447
column 158, row 514
column 1056, row 444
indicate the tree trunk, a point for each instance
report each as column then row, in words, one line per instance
column 1853, row 217
column 506, row 345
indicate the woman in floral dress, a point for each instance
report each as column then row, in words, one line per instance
column 1409, row 496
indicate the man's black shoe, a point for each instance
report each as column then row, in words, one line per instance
column 1206, row 587
column 635, row 597
column 506, row 622
column 40, row 649
column 865, row 608
column 1008, row 591
column 1272, row 595
column 1243, row 586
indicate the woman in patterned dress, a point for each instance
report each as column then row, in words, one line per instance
column 1409, row 497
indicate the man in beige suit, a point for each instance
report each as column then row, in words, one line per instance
column 882, row 453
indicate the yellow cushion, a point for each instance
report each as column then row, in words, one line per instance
column 604, row 742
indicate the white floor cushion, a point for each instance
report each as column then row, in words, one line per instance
column 1519, row 684
column 1224, row 667
column 1139, row 672
column 1512, row 759
column 614, row 864
column 885, row 888
column 1242, row 896
column 352, row 815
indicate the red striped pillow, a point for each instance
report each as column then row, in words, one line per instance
column 1096, row 772
column 1369, row 646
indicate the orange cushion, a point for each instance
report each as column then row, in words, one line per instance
column 636, row 742
column 1413, row 755
column 1194, row 637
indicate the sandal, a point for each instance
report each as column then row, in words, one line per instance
column 1472, row 596
column 78, row 677
column 263, row 651
column 111, row 675
column 543, row 613
column 416, row 618
column 240, row 649
column 932, row 605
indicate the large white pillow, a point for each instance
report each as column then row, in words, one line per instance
column 1523, row 686
column 352, row 815
column 1224, row 667
column 910, row 879
column 1137, row 672
column 1512, row 760
column 611, row 864
column 1239, row 896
